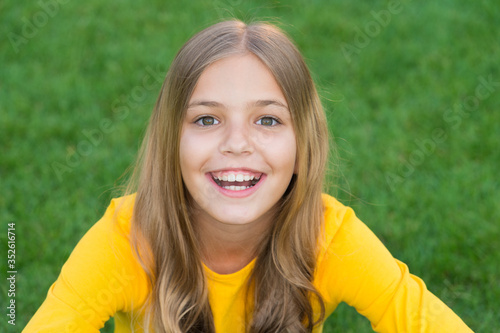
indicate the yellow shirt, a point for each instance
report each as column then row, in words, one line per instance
column 102, row 279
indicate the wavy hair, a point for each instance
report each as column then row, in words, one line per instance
column 280, row 291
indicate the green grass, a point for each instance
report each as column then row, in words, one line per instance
column 434, row 203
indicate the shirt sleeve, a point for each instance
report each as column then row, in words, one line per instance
column 359, row 270
column 100, row 278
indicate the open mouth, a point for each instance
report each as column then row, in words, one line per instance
column 236, row 181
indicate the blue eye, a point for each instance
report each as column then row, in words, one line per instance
column 268, row 121
column 206, row 121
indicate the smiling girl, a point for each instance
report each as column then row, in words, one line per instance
column 227, row 229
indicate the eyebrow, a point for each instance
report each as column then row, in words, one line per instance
column 257, row 103
column 211, row 104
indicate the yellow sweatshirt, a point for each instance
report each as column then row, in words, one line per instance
column 102, row 279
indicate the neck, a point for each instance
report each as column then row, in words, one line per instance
column 227, row 248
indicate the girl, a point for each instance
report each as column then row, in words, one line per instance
column 228, row 230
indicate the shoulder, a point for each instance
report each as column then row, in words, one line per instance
column 119, row 213
column 107, row 241
column 104, row 261
column 355, row 267
column 334, row 210
column 341, row 228
column 100, row 278
column 335, row 214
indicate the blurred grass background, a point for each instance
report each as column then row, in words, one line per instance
column 412, row 95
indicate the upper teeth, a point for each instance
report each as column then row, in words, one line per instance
column 236, row 178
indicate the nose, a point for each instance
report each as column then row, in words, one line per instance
column 237, row 139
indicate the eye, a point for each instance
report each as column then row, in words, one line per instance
column 268, row 121
column 206, row 121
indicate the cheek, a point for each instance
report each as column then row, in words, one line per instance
column 194, row 149
column 282, row 151
column 188, row 153
column 183, row 155
column 194, row 153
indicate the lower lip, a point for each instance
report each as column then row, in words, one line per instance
column 237, row 194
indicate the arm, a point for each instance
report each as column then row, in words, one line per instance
column 360, row 271
column 100, row 278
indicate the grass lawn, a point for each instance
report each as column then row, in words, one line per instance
column 412, row 95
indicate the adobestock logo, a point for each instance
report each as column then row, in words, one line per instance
column 453, row 116
column 121, row 108
column 370, row 30
column 119, row 281
column 32, row 25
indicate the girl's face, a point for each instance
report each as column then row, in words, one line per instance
column 237, row 146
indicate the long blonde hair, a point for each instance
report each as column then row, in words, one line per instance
column 162, row 234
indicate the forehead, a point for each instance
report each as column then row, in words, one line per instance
column 238, row 78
